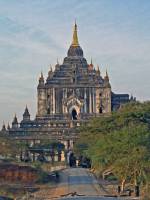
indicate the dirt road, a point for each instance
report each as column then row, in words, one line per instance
column 74, row 183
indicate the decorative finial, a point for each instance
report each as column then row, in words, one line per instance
column 41, row 79
column 15, row 117
column 57, row 62
column 15, row 122
column 8, row 126
column 26, row 109
column 106, row 73
column 42, row 74
column 50, row 72
column 26, row 113
column 98, row 70
column 75, row 42
column 3, row 127
column 106, row 76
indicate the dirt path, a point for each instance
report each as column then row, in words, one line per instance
column 77, row 181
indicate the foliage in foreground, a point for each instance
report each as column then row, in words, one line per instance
column 120, row 143
column 8, row 148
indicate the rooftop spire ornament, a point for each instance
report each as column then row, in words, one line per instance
column 106, row 76
column 75, row 42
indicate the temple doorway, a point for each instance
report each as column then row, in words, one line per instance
column 74, row 114
column 100, row 110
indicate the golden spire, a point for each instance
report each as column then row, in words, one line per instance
column 75, row 42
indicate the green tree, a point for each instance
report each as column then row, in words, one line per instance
column 8, row 147
column 119, row 143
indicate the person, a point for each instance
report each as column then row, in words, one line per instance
column 72, row 160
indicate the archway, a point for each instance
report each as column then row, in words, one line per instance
column 74, row 114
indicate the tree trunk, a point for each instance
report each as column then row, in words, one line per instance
column 137, row 190
column 135, row 181
column 123, row 184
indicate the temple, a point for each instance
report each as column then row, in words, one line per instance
column 72, row 93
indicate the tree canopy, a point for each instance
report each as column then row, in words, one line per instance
column 8, row 147
column 119, row 143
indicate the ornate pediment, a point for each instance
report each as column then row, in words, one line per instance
column 73, row 101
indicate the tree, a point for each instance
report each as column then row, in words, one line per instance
column 8, row 147
column 120, row 143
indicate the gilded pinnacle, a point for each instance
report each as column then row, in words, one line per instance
column 75, row 42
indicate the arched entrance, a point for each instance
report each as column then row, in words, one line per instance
column 74, row 114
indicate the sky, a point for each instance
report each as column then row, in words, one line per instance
column 34, row 33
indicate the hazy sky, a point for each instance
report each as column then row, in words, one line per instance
column 33, row 33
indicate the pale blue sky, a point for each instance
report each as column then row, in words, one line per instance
column 33, row 33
